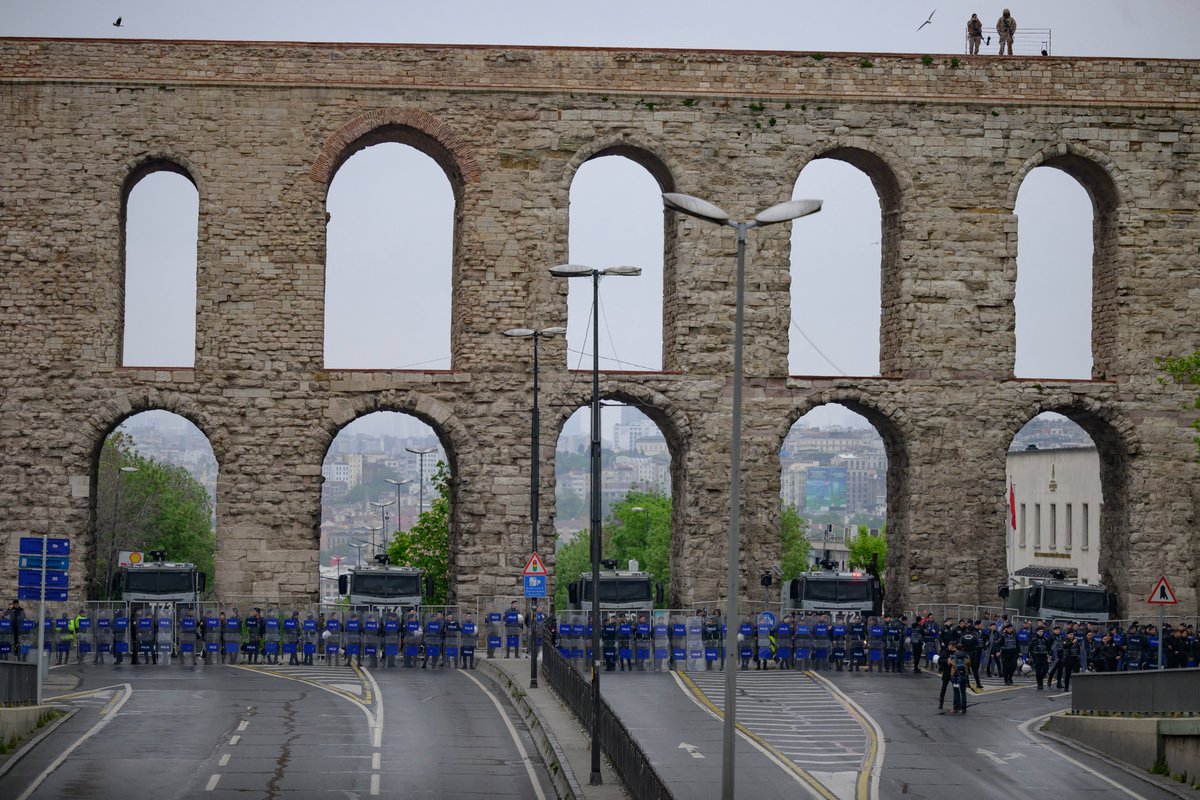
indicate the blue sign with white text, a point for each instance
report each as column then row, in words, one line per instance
column 535, row 585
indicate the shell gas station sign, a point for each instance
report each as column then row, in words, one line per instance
column 127, row 557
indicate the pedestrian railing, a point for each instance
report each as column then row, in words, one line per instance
column 1026, row 41
column 628, row 758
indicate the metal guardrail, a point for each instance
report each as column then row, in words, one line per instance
column 629, row 760
column 1026, row 42
column 18, row 683
column 1160, row 691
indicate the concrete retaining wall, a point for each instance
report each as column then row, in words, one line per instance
column 1149, row 692
column 17, row 722
column 1134, row 741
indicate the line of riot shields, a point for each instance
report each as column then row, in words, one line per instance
column 702, row 640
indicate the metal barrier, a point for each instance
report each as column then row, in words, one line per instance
column 631, row 762
column 1026, row 41
column 1160, row 691
column 18, row 683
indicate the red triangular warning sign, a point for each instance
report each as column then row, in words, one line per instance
column 534, row 566
column 1162, row 594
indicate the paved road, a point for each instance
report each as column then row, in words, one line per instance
column 180, row 732
column 986, row 753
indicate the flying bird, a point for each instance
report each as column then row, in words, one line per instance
column 118, row 24
column 926, row 22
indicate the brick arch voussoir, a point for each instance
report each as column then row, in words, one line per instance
column 108, row 415
column 647, row 154
column 837, row 147
column 887, row 416
column 674, row 423
column 1118, row 181
column 451, row 431
column 148, row 162
column 330, row 155
column 1123, row 431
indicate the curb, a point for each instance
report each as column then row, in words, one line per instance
column 11, row 761
column 1170, row 787
column 561, row 775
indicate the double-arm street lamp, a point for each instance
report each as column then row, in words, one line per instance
column 534, row 459
column 782, row 212
column 645, row 524
column 580, row 271
column 397, row 484
column 420, row 453
column 383, row 518
column 112, row 541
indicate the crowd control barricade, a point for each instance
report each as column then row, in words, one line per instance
column 504, row 624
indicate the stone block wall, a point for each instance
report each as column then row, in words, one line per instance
column 261, row 128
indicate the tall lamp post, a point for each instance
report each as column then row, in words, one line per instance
column 534, row 459
column 383, row 519
column 782, row 212
column 397, row 484
column 375, row 529
column 580, row 271
column 645, row 523
column 112, row 539
column 420, row 453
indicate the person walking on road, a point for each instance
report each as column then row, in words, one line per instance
column 1006, row 26
column 945, row 665
column 1039, row 654
column 1070, row 659
column 961, row 678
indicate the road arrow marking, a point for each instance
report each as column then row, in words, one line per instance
column 998, row 758
column 692, row 750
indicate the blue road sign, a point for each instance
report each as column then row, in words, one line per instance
column 32, row 546
column 535, row 585
column 59, row 563
column 767, row 617
column 33, row 577
column 35, row 593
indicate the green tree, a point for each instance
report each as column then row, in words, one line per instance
column 571, row 557
column 864, row 547
column 794, row 550
column 642, row 535
column 1185, row 370
column 426, row 545
column 157, row 507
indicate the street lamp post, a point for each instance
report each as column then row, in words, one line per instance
column 112, row 540
column 534, row 459
column 579, row 271
column 397, row 484
column 383, row 518
column 782, row 212
column 645, row 523
column 374, row 529
column 421, row 452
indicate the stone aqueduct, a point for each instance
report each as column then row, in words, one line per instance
column 260, row 128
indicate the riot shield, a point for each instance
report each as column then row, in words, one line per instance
column 83, row 635
column 352, row 637
column 513, row 621
column 857, row 645
column 371, row 637
column 272, row 643
column 745, row 642
column 678, row 638
column 452, row 644
column 642, row 641
column 803, row 643
column 164, row 633
column 495, row 631
column 785, row 642
column 874, row 645
column 820, row 644
column 142, row 625
column 838, row 645
column 764, row 627
column 469, row 639
column 190, row 637
column 63, row 638
column 103, row 627
column 412, row 632
column 625, row 630
column 310, row 637
column 433, row 623
column 660, row 644
column 695, row 642
column 390, row 637
column 563, row 644
column 331, row 637
column 233, row 636
column 291, row 629
column 121, row 634
column 213, row 634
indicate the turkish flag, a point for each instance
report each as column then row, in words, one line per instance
column 1012, row 505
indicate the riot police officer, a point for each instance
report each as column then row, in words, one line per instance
column 608, row 637
column 625, row 642
column 453, row 634
column 642, row 642
column 412, row 638
column 292, row 628
column 1008, row 653
column 1039, row 654
column 435, row 639
column 469, row 633
column 311, row 637
column 512, row 631
column 893, row 638
column 391, row 638
column 712, row 641
column 969, row 643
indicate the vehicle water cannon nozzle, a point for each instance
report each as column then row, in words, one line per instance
column 608, row 563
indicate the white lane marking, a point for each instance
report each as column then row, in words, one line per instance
column 375, row 761
column 880, row 743
column 375, row 718
column 693, row 751
column 375, row 783
column 212, row 782
column 770, row 756
column 224, row 760
column 234, row 739
column 243, row 725
column 1024, row 728
column 537, row 787
column 104, row 720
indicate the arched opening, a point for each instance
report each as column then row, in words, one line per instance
column 161, row 211
column 1064, row 515
column 638, row 478
column 389, row 259
column 843, row 270
column 1057, row 239
column 616, row 218
column 833, row 487
column 387, row 488
column 156, row 485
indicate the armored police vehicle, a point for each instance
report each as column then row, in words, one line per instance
column 620, row 590
column 159, row 581
column 382, row 585
column 1054, row 597
column 829, row 591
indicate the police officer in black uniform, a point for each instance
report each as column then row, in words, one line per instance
column 1008, row 653
column 969, row 642
column 608, row 637
column 1039, row 654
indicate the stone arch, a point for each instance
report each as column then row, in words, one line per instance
column 110, row 415
column 1109, row 191
column 453, row 435
column 413, row 127
column 661, row 167
column 676, row 428
column 892, row 185
column 1117, row 445
column 895, row 428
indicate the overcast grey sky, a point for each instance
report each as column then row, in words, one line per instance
column 400, row 320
